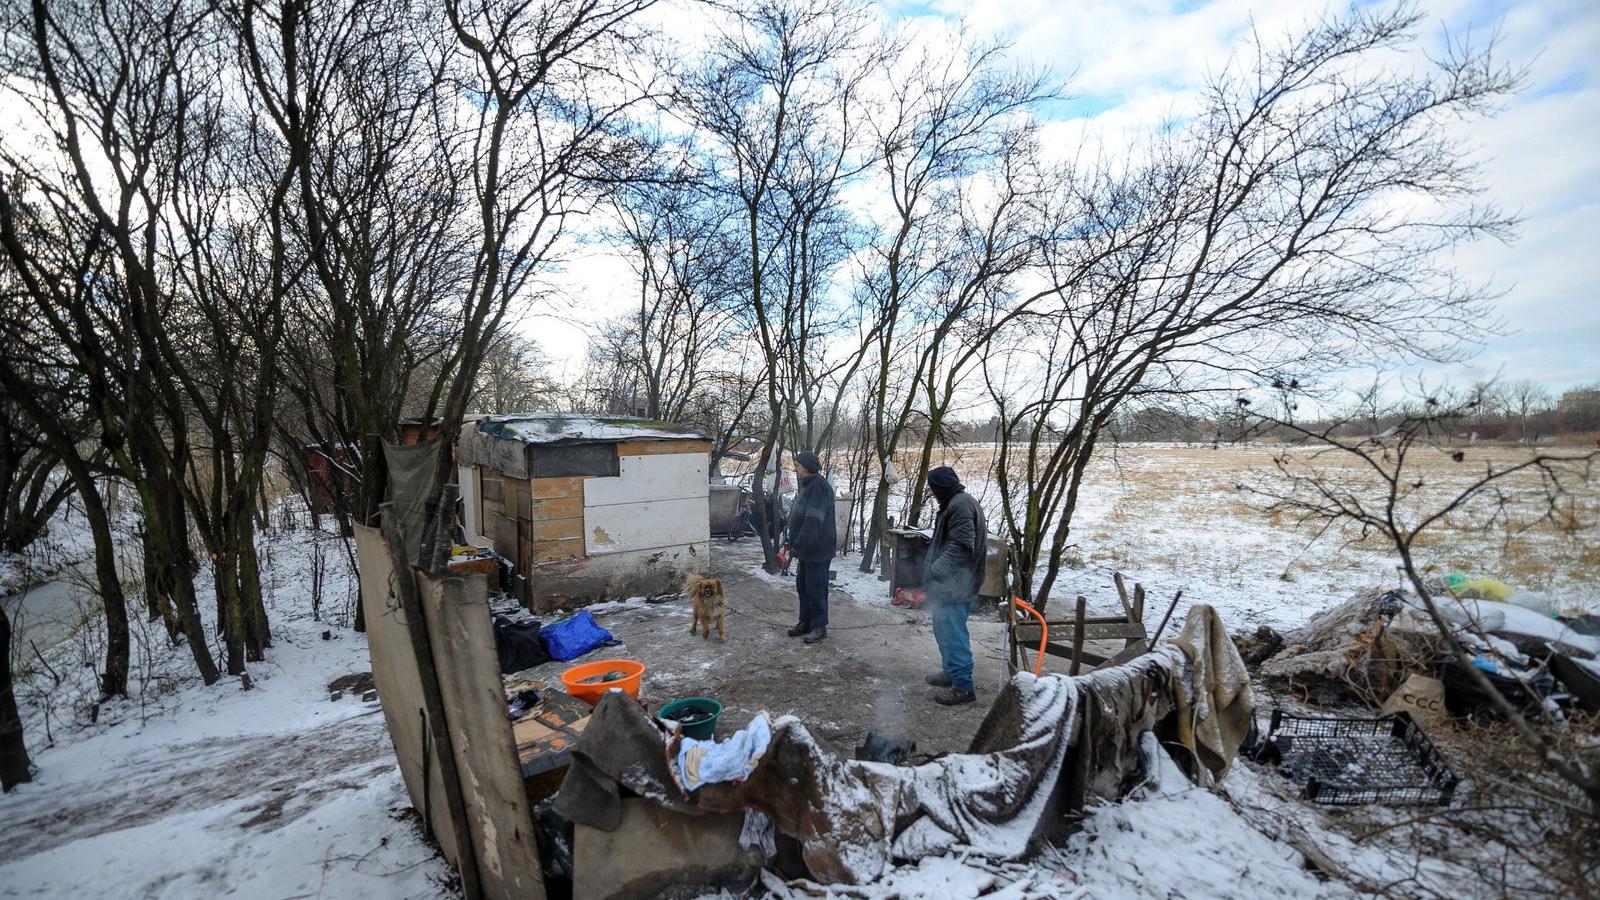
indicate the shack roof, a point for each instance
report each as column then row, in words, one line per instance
column 577, row 428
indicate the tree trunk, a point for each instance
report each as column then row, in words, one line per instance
column 157, row 593
column 171, row 560
column 924, row 462
column 766, row 523
column 230, row 610
column 258, row 632
column 114, row 680
column 15, row 767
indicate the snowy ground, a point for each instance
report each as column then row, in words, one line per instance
column 185, row 790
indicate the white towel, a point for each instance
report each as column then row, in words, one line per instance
column 707, row 762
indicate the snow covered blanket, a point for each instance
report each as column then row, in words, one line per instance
column 993, row 797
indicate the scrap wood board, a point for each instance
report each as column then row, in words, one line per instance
column 545, row 734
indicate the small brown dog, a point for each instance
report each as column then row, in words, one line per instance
column 710, row 605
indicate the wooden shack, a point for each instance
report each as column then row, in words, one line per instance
column 585, row 507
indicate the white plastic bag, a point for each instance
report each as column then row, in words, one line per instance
column 1534, row 600
column 891, row 475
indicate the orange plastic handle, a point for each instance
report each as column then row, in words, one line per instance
column 1044, row 633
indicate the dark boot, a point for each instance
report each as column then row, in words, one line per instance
column 953, row 697
column 801, row 628
column 937, row 679
column 818, row 633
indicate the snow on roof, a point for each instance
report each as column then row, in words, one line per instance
column 573, row 428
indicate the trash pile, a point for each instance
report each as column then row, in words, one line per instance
column 1385, row 650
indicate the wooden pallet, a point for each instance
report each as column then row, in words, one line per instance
column 1067, row 637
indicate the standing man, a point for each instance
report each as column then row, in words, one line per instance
column 953, row 574
column 812, row 541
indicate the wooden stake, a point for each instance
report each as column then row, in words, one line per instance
column 1077, row 633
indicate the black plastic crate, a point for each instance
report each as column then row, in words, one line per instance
column 1350, row 761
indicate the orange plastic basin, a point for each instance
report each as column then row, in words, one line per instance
column 590, row 693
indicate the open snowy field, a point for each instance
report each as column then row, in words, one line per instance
column 1176, row 518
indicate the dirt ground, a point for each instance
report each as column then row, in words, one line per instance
column 867, row 676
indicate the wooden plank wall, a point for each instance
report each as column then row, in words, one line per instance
column 498, row 814
column 557, row 514
column 399, row 684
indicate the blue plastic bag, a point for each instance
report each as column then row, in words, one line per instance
column 574, row 636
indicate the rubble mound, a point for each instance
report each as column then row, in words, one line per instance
column 1359, row 650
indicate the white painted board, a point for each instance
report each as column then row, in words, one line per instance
column 646, row 526
column 656, row 476
column 471, row 513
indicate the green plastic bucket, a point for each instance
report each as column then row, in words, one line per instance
column 702, row 729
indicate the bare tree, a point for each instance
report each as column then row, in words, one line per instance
column 513, row 377
column 951, row 113
column 676, row 235
column 142, row 151
column 354, row 95
column 1263, row 243
column 774, row 102
column 542, row 117
column 1525, row 399
column 31, row 486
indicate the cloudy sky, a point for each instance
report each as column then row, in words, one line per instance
column 1131, row 63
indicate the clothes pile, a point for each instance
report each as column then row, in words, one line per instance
column 524, row 644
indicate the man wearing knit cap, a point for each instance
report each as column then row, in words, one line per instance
column 812, row 541
column 951, row 578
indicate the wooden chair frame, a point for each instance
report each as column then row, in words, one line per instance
column 1065, row 637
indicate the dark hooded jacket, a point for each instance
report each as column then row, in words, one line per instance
column 813, row 536
column 954, row 568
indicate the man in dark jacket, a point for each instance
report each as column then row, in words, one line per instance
column 813, row 539
column 953, row 574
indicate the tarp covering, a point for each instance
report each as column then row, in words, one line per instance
column 411, row 470
column 996, row 794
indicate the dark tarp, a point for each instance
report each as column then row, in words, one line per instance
column 411, row 471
